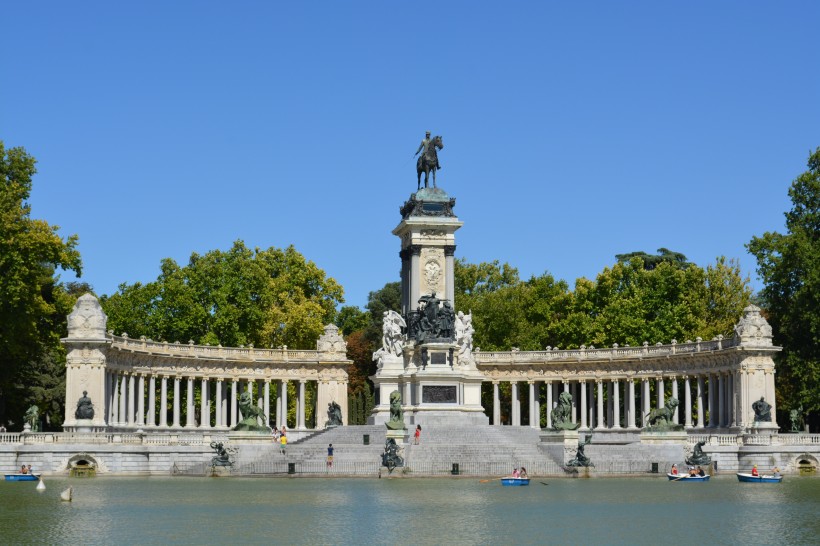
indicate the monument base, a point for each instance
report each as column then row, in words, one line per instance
column 664, row 437
column 249, row 437
column 560, row 444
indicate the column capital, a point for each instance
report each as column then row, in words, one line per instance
column 449, row 250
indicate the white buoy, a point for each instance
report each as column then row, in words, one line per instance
column 41, row 486
column 66, row 495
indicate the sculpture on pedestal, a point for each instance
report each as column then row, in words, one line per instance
column 662, row 419
column 392, row 337
column 85, row 409
column 223, row 456
column 396, row 421
column 562, row 414
column 428, row 162
column 32, row 418
column 464, row 335
column 796, row 418
column 763, row 411
column 698, row 456
column 580, row 457
column 391, row 458
column 250, row 415
column 334, row 415
column 433, row 321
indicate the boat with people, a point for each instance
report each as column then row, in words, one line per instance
column 687, row 477
column 19, row 477
column 760, row 478
column 511, row 480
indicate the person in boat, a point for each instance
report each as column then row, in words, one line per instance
column 523, row 473
column 674, row 470
column 23, row 469
column 754, row 471
column 515, row 473
column 701, row 472
column 776, row 472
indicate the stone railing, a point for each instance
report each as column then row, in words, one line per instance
column 756, row 439
column 210, row 352
column 613, row 353
column 132, row 438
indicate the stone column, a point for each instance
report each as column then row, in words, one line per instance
column 415, row 273
column 218, row 403
column 676, row 416
column 267, row 403
column 301, row 424
column 646, row 402
column 599, row 422
column 583, row 405
column 591, row 405
column 730, row 398
column 141, row 401
column 609, row 411
column 531, row 410
column 151, row 416
column 177, row 396
column 496, row 405
column 630, row 422
column 574, row 406
column 616, row 404
column 515, row 403
column 721, row 401
column 115, row 400
column 123, row 399
column 537, row 407
column 234, row 407
column 701, row 402
column 549, row 404
column 687, row 402
column 132, row 397
column 661, row 392
column 163, row 407
column 284, row 403
column 189, row 406
column 110, row 389
column 204, row 405
column 712, row 402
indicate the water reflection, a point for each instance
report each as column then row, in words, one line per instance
column 420, row 511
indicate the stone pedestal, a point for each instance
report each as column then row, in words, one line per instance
column 561, row 444
column 81, row 425
column 250, row 437
column 400, row 436
column 766, row 428
column 670, row 437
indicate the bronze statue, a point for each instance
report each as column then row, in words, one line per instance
column 562, row 414
column 698, row 456
column 223, row 457
column 763, row 411
column 396, row 421
column 250, row 414
column 796, row 418
column 580, row 457
column 662, row 419
column 391, row 458
column 85, row 409
column 428, row 162
column 32, row 417
column 334, row 415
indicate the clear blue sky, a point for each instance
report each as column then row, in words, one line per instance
column 573, row 131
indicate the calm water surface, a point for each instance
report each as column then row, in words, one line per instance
column 417, row 511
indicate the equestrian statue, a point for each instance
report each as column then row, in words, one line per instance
column 428, row 161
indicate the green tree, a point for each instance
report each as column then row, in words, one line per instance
column 31, row 300
column 265, row 298
column 789, row 265
column 651, row 261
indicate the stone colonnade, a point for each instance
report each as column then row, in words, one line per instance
column 708, row 400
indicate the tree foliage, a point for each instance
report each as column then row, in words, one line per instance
column 789, row 265
column 265, row 298
column 651, row 261
column 33, row 304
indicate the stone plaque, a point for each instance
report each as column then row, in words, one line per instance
column 439, row 394
column 438, row 358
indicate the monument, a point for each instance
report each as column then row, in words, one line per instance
column 426, row 352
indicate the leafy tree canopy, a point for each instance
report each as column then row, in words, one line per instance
column 33, row 305
column 651, row 261
column 266, row 298
column 789, row 265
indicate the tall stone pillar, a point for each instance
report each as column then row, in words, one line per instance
column 584, row 425
column 721, row 420
column 609, row 410
column 730, row 400
column 123, row 400
column 676, row 416
column 535, row 422
column 600, row 421
column 591, row 405
column 204, row 405
column 190, row 418
column 279, row 389
column 516, row 404
column 646, row 402
column 631, row 394
column 701, row 402
column 163, row 408
column 549, row 404
column 661, row 392
column 267, row 403
column 301, row 424
column 177, row 402
column 115, row 401
column 284, row 403
column 616, row 404
column 151, row 415
column 532, row 404
column 234, row 407
column 712, row 402
column 110, row 402
column 687, row 402
column 132, row 395
column 141, row 400
column 218, row 402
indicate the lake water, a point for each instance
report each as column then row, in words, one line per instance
column 410, row 511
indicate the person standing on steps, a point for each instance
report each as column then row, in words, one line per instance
column 329, row 456
column 417, row 435
column 283, row 443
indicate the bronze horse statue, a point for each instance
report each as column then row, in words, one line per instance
column 428, row 161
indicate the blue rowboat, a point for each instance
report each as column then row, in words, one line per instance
column 22, row 477
column 515, row 481
column 687, row 478
column 742, row 477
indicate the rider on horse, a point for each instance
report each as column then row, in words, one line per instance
column 425, row 144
